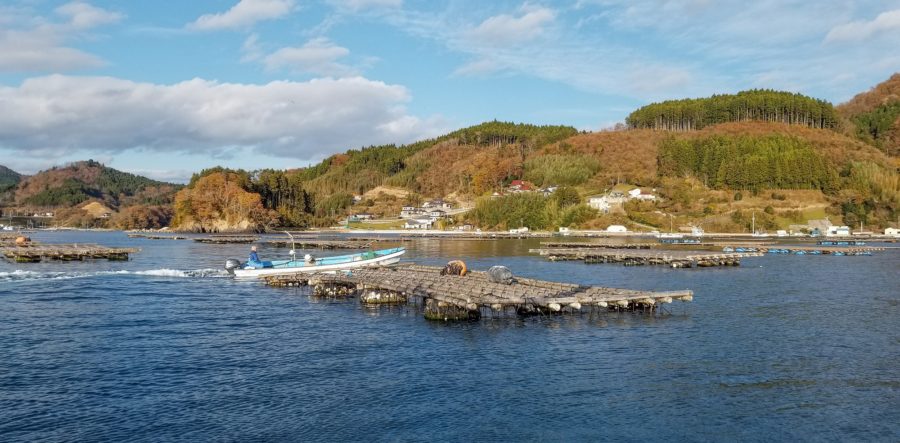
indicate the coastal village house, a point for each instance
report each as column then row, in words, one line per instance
column 892, row 232
column 838, row 231
column 604, row 202
column 639, row 194
column 520, row 186
column 432, row 209
column 437, row 204
column 436, row 214
column 424, row 223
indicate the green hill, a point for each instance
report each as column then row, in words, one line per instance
column 874, row 116
column 8, row 177
column 754, row 105
column 70, row 185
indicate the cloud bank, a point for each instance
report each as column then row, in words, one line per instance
column 54, row 115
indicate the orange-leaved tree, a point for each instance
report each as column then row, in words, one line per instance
column 217, row 202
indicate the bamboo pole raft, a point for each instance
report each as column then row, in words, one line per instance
column 475, row 236
column 600, row 244
column 803, row 250
column 451, row 297
column 157, row 237
column 34, row 253
column 227, row 239
column 675, row 259
column 319, row 244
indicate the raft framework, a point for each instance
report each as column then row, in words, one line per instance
column 637, row 257
column 451, row 297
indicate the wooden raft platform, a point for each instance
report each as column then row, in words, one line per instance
column 451, row 297
column 476, row 236
column 601, row 245
column 157, row 237
column 226, row 239
column 319, row 244
column 675, row 259
column 34, row 253
column 802, row 250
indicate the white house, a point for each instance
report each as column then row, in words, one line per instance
column 892, row 232
column 411, row 211
column 599, row 202
column 437, row 204
column 417, row 224
column 638, row 194
column 616, row 228
column 838, row 231
column 436, row 214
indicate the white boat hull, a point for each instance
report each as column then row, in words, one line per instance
column 384, row 260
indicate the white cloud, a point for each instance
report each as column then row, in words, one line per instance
column 41, row 52
column 85, row 16
column 359, row 5
column 34, row 44
column 56, row 115
column 863, row 30
column 506, row 29
column 244, row 14
column 478, row 67
column 318, row 56
column 163, row 175
column 251, row 50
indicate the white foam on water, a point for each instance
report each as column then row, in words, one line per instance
column 193, row 273
column 22, row 275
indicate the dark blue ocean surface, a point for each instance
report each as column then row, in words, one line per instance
column 167, row 348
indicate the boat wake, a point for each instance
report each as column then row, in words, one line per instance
column 21, row 275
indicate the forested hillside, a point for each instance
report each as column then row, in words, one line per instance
column 745, row 162
column 81, row 181
column 321, row 194
column 756, row 105
column 874, row 116
column 8, row 177
column 132, row 200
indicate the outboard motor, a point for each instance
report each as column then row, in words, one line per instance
column 231, row 264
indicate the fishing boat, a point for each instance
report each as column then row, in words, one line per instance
column 308, row 264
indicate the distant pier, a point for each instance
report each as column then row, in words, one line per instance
column 450, row 297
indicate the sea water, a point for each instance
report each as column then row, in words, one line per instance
column 166, row 347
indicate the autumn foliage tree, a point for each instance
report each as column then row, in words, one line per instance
column 217, row 202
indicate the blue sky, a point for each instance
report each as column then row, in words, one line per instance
column 169, row 87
